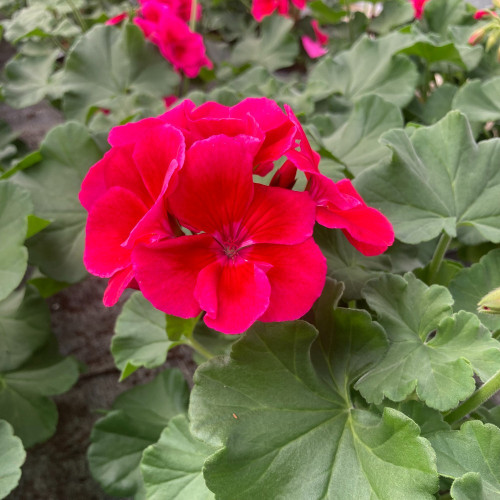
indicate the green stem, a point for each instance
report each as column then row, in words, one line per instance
column 202, row 351
column 76, row 13
column 445, row 496
column 482, row 394
column 351, row 304
column 194, row 10
column 437, row 258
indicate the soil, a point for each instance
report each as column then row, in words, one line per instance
column 58, row 469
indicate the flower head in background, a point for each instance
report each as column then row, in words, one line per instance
column 263, row 8
column 418, row 8
column 161, row 23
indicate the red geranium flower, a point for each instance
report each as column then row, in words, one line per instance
column 418, row 7
column 177, row 43
column 263, row 8
column 173, row 210
column 315, row 48
column 248, row 258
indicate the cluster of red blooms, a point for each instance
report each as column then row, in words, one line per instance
column 174, row 211
column 165, row 23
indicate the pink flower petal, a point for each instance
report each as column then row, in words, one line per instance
column 167, row 272
column 321, row 36
column 130, row 133
column 215, row 186
column 263, row 8
column 116, row 285
column 278, row 128
column 116, row 168
column 285, row 176
column 306, row 159
column 234, row 293
column 313, row 49
column 278, row 215
column 109, row 223
column 158, row 155
column 116, row 19
column 297, row 277
column 366, row 228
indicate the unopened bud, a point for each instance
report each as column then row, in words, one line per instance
column 490, row 303
column 492, row 39
column 477, row 36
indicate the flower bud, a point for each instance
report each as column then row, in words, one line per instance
column 477, row 36
column 490, row 303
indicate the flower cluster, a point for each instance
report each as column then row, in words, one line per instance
column 165, row 23
column 263, row 8
column 175, row 211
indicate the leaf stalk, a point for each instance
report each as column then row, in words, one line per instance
column 437, row 258
column 485, row 392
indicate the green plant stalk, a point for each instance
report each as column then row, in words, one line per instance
column 485, row 392
column 202, row 351
column 437, row 258
column 194, row 10
column 76, row 12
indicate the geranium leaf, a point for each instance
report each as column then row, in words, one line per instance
column 172, row 468
column 23, row 393
column 394, row 13
column 290, row 431
column 473, row 283
column 477, row 100
column 439, row 179
column 139, row 415
column 475, row 448
column 356, row 143
column 346, row 264
column 67, row 153
column 24, row 327
column 108, row 66
column 440, row 14
column 431, row 351
column 275, row 48
column 367, row 68
column 429, row 420
column 15, row 206
column 437, row 105
column 11, row 459
column 140, row 336
column 28, row 79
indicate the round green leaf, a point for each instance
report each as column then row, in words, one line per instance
column 24, row 327
column 15, row 206
column 54, row 183
column 118, row 439
column 431, row 351
column 478, row 100
column 140, row 336
column 356, row 143
column 475, row 448
column 11, row 459
column 290, row 431
column 109, row 66
column 23, row 393
column 172, row 468
column 369, row 67
column 473, row 283
column 439, row 179
column 28, row 79
column 275, row 48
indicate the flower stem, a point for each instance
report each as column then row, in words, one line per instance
column 437, row 258
column 194, row 10
column 202, row 351
column 482, row 394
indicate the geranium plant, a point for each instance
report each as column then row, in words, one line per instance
column 306, row 194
